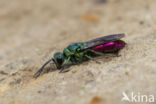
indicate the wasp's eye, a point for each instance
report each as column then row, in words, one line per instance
column 59, row 60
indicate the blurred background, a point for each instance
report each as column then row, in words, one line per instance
column 31, row 31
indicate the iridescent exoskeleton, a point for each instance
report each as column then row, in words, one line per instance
column 79, row 52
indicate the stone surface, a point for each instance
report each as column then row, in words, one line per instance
column 31, row 31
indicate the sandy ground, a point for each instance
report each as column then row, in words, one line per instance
column 31, row 31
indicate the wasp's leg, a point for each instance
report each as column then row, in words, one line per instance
column 63, row 70
column 89, row 57
column 74, row 60
column 113, row 54
column 67, row 61
column 97, row 53
column 117, row 53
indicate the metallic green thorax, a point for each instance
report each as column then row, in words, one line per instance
column 73, row 49
column 71, row 53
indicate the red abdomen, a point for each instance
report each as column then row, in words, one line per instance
column 110, row 47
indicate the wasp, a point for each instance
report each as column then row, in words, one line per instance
column 79, row 52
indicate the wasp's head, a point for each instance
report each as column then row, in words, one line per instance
column 59, row 59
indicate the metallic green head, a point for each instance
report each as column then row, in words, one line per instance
column 59, row 59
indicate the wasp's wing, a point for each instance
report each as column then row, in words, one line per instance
column 101, row 40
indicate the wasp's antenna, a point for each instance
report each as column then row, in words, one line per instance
column 37, row 74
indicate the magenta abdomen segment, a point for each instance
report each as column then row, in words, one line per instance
column 110, row 46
